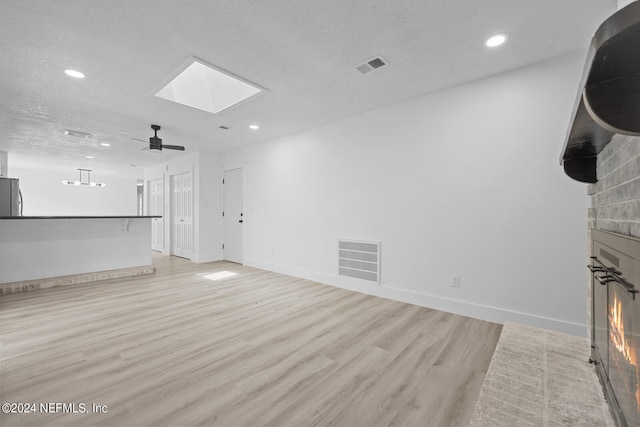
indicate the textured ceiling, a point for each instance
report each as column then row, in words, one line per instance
column 303, row 52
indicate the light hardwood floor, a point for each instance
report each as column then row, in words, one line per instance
column 257, row 348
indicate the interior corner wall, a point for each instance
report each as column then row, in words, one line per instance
column 464, row 181
column 209, row 237
column 207, row 240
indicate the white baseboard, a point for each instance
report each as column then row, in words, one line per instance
column 463, row 308
column 206, row 258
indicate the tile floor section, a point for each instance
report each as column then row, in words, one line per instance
column 539, row 377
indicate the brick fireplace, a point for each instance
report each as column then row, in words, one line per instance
column 615, row 198
column 615, row 321
column 603, row 149
column 614, row 314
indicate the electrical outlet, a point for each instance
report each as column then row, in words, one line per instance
column 455, row 280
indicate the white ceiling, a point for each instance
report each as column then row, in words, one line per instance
column 303, row 52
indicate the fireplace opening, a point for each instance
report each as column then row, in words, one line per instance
column 615, row 319
column 623, row 348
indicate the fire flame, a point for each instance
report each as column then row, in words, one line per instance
column 617, row 337
column 616, row 332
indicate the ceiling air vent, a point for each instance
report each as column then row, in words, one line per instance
column 372, row 64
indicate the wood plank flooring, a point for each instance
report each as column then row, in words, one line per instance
column 189, row 346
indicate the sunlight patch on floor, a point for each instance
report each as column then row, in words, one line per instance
column 218, row 275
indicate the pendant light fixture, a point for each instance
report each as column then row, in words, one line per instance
column 80, row 182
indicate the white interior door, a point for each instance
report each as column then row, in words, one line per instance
column 182, row 215
column 156, row 193
column 233, row 216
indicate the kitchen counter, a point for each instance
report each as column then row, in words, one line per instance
column 76, row 217
column 43, row 247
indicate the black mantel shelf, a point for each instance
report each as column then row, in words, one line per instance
column 78, row 217
column 609, row 95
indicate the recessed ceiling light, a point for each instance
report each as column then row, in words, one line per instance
column 74, row 73
column 76, row 133
column 89, row 157
column 105, row 144
column 254, row 127
column 495, row 41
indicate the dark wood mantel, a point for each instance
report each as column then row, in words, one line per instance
column 608, row 100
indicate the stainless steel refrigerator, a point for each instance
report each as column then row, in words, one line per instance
column 10, row 197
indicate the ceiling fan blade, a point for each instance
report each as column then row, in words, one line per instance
column 173, row 147
column 155, row 143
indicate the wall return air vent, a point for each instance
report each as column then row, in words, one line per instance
column 360, row 260
column 372, row 64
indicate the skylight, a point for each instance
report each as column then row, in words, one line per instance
column 205, row 88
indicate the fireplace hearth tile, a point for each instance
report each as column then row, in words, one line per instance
column 572, row 414
column 540, row 377
column 516, row 401
column 515, row 389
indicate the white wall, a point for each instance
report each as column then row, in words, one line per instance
column 4, row 164
column 45, row 195
column 206, row 200
column 209, row 236
column 462, row 181
column 623, row 3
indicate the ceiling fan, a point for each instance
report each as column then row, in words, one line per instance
column 155, row 143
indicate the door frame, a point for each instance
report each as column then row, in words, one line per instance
column 149, row 210
column 244, row 206
column 171, row 206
